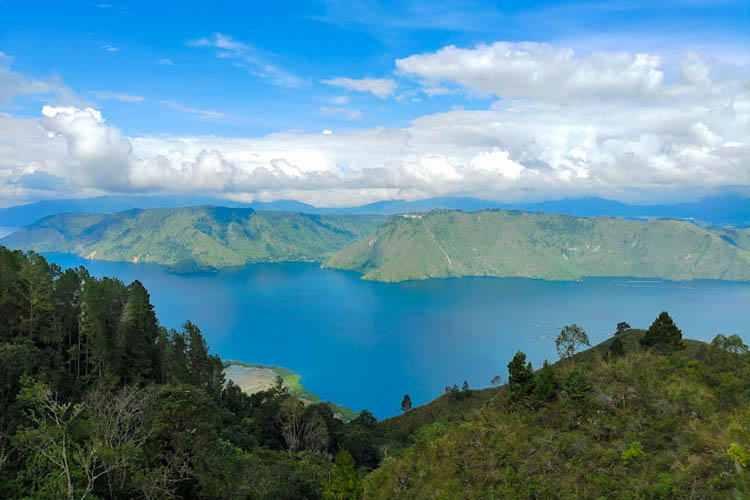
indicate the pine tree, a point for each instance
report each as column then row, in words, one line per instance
column 520, row 376
column 663, row 335
column 546, row 384
column 136, row 336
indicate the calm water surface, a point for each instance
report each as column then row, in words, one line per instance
column 365, row 344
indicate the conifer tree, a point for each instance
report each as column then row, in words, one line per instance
column 663, row 335
column 520, row 376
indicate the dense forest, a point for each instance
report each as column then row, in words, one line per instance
column 100, row 401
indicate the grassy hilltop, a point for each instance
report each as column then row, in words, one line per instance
column 639, row 426
column 557, row 247
column 194, row 238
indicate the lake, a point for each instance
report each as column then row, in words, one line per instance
column 364, row 344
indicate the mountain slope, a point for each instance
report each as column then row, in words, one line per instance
column 642, row 426
column 559, row 247
column 194, row 238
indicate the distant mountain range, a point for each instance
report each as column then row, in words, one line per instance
column 440, row 243
column 724, row 210
column 503, row 243
column 195, row 238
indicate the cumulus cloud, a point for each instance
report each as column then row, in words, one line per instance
column 250, row 58
column 685, row 137
column 536, row 70
column 379, row 87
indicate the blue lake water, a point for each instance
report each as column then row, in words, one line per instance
column 365, row 344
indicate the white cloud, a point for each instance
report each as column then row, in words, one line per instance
column 687, row 137
column 379, row 87
column 119, row 96
column 250, row 58
column 327, row 131
column 536, row 70
column 166, row 62
column 110, row 48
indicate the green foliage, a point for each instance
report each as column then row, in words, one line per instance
column 732, row 344
column 451, row 243
column 632, row 452
column 616, row 349
column 195, row 239
column 739, row 454
column 520, row 376
column 576, row 384
column 684, row 411
column 546, row 385
column 571, row 337
column 344, row 482
column 97, row 400
column 663, row 335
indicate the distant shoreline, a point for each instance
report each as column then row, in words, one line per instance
column 254, row 377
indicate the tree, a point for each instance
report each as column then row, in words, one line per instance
column 136, row 337
column 570, row 339
column 344, row 482
column 732, row 344
column 496, row 380
column 520, row 376
column 406, row 403
column 291, row 422
column 576, row 384
column 616, row 349
column 621, row 327
column 465, row 386
column 546, row 384
column 663, row 335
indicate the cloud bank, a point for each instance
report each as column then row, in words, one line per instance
column 616, row 125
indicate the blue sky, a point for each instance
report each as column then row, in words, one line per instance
column 247, row 70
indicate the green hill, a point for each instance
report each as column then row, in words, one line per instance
column 194, row 238
column 558, row 247
column 646, row 426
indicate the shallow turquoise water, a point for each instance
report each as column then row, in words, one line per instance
column 365, row 344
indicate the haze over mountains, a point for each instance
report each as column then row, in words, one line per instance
column 724, row 209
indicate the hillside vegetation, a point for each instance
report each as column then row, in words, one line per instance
column 556, row 247
column 194, row 238
column 97, row 400
column 641, row 425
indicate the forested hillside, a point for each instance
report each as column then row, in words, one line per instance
column 535, row 245
column 97, row 400
column 194, row 238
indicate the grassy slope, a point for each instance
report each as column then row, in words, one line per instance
column 684, row 409
column 194, row 238
column 511, row 243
